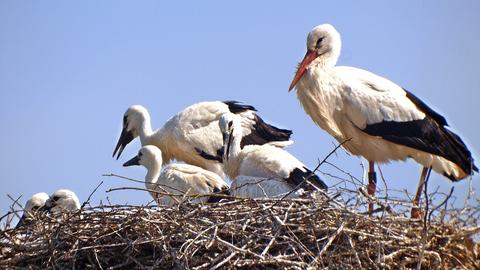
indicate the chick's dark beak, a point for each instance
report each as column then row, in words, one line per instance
column 21, row 221
column 228, row 146
column 49, row 204
column 134, row 161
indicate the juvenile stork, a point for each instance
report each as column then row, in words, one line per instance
column 32, row 206
column 282, row 172
column 177, row 179
column 383, row 121
column 193, row 132
column 62, row 201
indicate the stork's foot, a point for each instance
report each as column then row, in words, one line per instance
column 416, row 213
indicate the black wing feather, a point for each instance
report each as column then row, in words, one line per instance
column 430, row 135
column 300, row 177
column 208, row 156
column 263, row 133
column 224, row 191
column 236, row 106
column 441, row 121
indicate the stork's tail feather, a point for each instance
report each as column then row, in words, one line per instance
column 271, row 132
column 263, row 132
column 224, row 191
column 461, row 155
column 306, row 178
column 453, row 148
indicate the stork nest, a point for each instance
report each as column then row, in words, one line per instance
column 242, row 233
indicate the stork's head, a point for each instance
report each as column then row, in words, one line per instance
column 33, row 205
column 230, row 126
column 323, row 47
column 148, row 156
column 133, row 118
column 62, row 201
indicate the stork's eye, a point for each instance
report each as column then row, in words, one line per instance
column 55, row 198
column 230, row 124
column 125, row 118
column 319, row 42
column 35, row 207
column 140, row 154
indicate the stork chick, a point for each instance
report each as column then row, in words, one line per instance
column 32, row 206
column 283, row 171
column 169, row 185
column 193, row 132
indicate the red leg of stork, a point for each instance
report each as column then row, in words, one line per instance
column 372, row 183
column 416, row 213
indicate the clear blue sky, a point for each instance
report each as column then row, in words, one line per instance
column 68, row 71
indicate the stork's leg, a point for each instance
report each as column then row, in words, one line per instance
column 372, row 183
column 416, row 213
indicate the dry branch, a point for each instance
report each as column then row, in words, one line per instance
column 241, row 233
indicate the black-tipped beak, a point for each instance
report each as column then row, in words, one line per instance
column 21, row 221
column 134, row 161
column 227, row 147
column 49, row 204
column 125, row 138
column 222, row 151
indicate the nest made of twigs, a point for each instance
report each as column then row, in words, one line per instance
column 240, row 233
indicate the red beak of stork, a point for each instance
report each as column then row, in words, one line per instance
column 302, row 67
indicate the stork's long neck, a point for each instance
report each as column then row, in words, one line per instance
column 164, row 140
column 318, row 93
column 145, row 131
column 153, row 172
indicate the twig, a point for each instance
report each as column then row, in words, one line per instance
column 444, row 202
column 224, row 261
column 247, row 233
column 90, row 196
column 6, row 215
column 15, row 201
column 331, row 153
column 123, row 177
column 329, row 242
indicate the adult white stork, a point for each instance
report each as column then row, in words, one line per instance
column 383, row 121
column 283, row 171
column 32, row 206
column 193, row 132
column 62, row 201
column 177, row 179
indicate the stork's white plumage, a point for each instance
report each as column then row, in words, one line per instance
column 383, row 121
column 34, row 204
column 193, row 132
column 177, row 179
column 244, row 186
column 265, row 161
column 62, row 201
